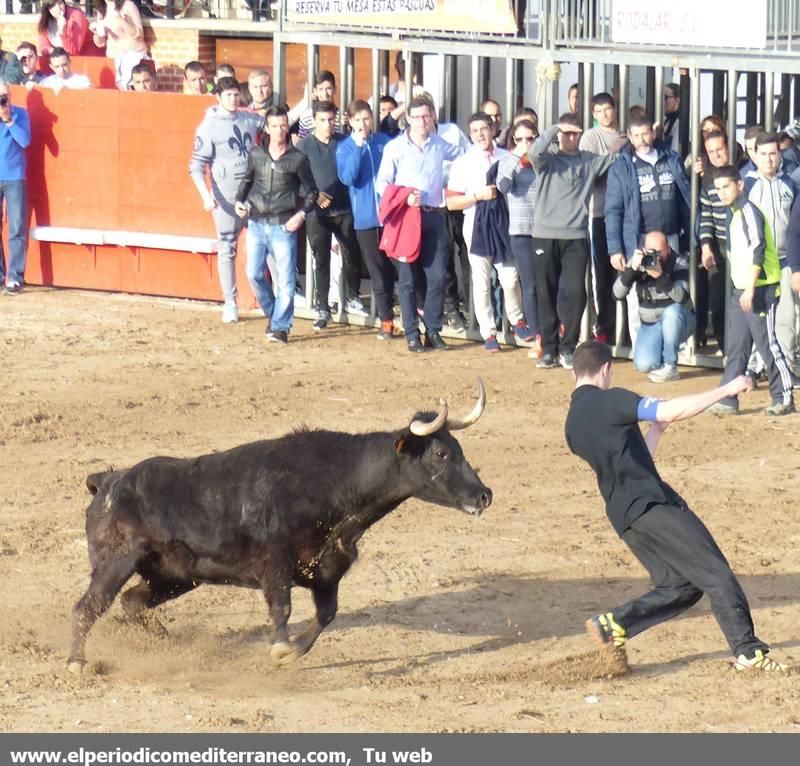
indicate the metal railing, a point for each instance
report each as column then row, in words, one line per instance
column 529, row 15
column 552, row 23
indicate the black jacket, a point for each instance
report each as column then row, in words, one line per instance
column 490, row 235
column 272, row 186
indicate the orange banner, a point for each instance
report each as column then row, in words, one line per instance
column 487, row 16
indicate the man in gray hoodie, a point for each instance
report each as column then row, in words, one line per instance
column 564, row 182
column 221, row 146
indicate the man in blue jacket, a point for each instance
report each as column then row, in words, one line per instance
column 647, row 191
column 15, row 136
column 358, row 158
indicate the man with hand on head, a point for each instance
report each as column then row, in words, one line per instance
column 358, row 158
column 564, row 182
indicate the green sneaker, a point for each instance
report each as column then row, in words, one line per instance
column 604, row 630
column 759, row 661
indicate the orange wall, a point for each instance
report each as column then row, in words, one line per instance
column 105, row 159
column 114, row 160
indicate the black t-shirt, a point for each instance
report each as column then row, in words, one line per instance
column 602, row 427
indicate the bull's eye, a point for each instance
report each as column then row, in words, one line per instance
column 441, row 454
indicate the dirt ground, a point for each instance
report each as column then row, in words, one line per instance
column 446, row 624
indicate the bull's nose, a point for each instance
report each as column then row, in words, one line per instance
column 485, row 499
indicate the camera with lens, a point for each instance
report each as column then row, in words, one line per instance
column 649, row 260
column 3, row 100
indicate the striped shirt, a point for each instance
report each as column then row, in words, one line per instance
column 713, row 216
column 518, row 184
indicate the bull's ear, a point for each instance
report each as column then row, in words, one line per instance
column 400, row 445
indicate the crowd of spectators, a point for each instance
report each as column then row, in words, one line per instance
column 497, row 217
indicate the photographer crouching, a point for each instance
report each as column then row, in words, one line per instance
column 661, row 277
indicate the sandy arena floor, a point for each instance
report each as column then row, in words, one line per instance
column 445, row 624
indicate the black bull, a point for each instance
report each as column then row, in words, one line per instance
column 267, row 515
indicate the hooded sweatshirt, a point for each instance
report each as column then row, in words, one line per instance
column 564, row 183
column 774, row 198
column 222, row 142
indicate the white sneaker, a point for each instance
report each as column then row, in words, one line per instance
column 356, row 306
column 664, row 374
column 759, row 661
column 230, row 314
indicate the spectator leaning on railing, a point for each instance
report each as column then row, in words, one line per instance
column 142, row 79
column 63, row 76
column 195, row 80
column 29, row 61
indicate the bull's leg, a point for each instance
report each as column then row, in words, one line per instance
column 326, row 600
column 148, row 594
column 278, row 593
column 107, row 580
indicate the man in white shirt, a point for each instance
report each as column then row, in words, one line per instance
column 466, row 187
column 63, row 76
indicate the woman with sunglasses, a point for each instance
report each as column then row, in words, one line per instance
column 516, row 180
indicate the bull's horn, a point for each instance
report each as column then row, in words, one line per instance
column 477, row 411
column 425, row 428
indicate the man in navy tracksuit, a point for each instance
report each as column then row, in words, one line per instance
column 647, row 191
column 358, row 158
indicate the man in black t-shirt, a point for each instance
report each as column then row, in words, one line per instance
column 672, row 544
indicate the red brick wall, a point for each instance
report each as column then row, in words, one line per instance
column 171, row 46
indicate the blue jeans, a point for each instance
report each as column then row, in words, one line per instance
column 657, row 343
column 275, row 240
column 14, row 194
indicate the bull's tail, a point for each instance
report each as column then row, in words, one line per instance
column 99, row 482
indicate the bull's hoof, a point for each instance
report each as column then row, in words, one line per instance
column 284, row 653
column 76, row 666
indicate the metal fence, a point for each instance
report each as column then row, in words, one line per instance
column 552, row 23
